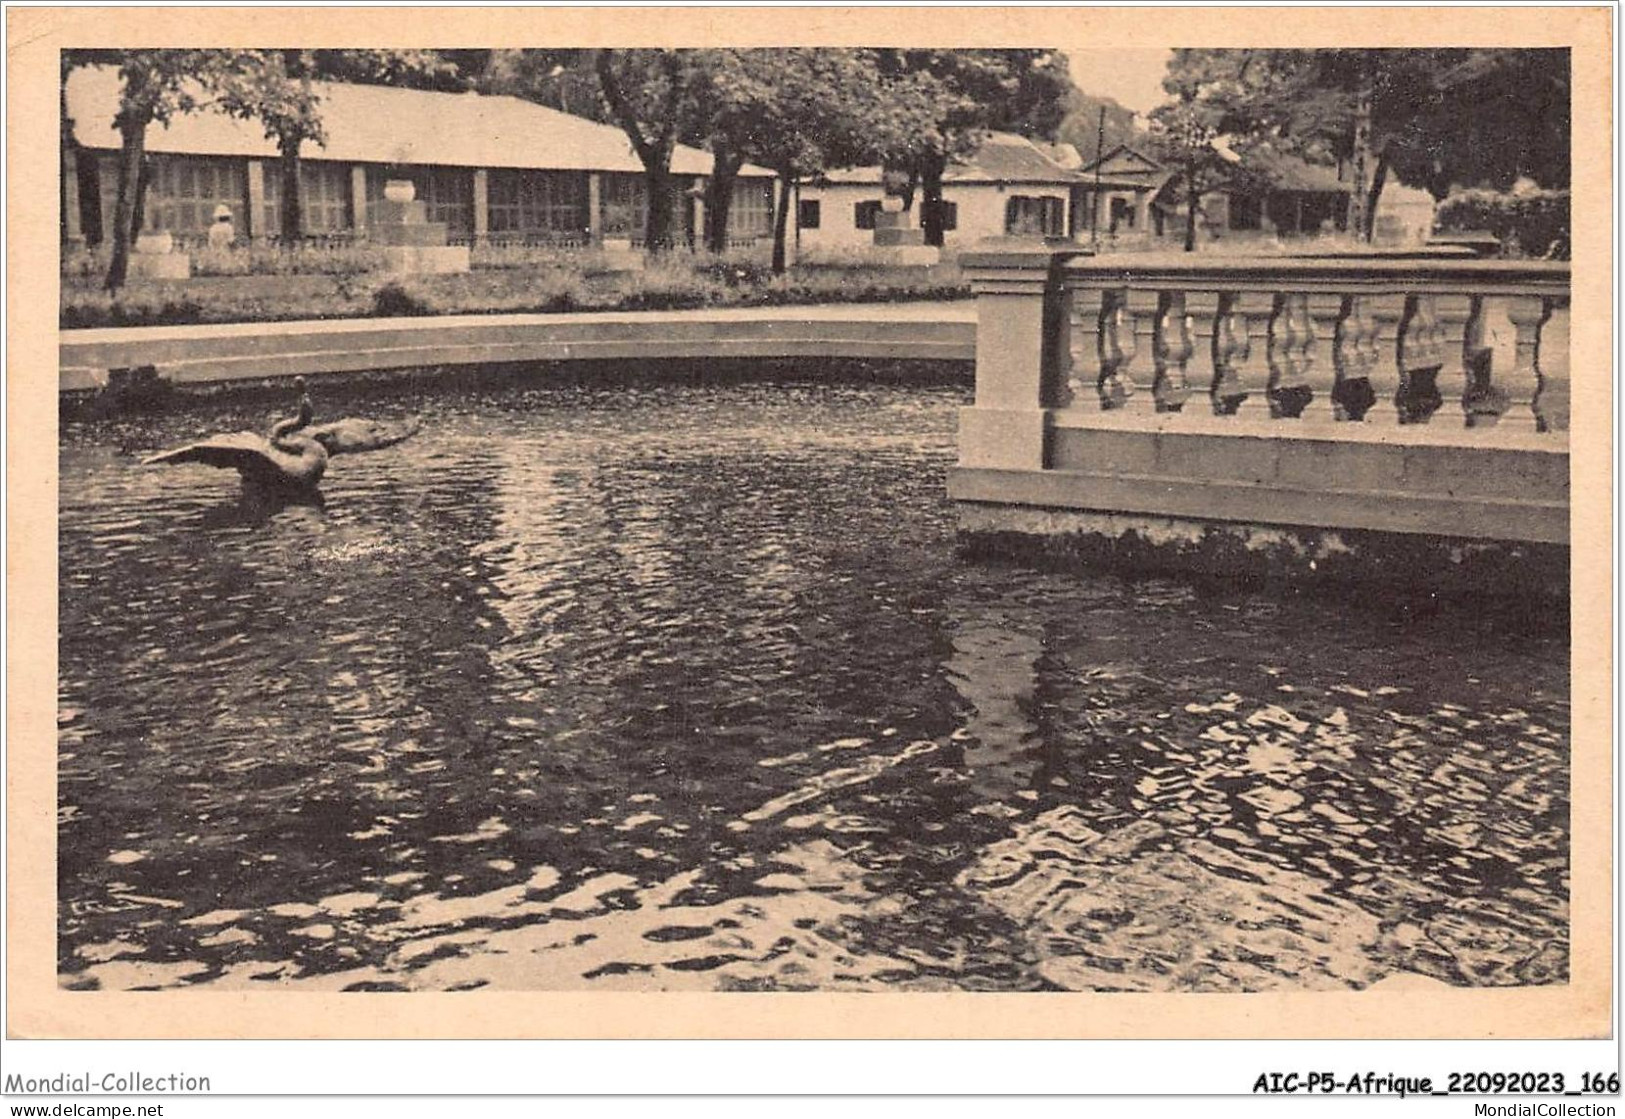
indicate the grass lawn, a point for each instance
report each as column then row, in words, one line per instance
column 268, row 286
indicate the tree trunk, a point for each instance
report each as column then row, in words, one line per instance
column 719, row 193
column 931, row 198
column 657, row 231
column 132, row 150
column 781, row 220
column 293, row 218
column 1378, row 180
column 138, row 219
column 1190, row 206
column 1361, row 217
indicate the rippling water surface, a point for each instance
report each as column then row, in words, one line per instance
column 649, row 685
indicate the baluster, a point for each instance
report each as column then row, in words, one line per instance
column 1354, row 354
column 1085, row 348
column 1482, row 399
column 1551, row 364
column 1455, row 314
column 1386, row 314
column 1519, row 385
column 1321, row 312
column 1291, row 338
column 1117, row 348
column 1421, row 355
column 1232, row 346
column 1202, row 312
column 1171, row 349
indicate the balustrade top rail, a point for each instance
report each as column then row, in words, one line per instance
column 1380, row 335
column 1435, row 272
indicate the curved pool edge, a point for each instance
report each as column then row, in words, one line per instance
column 212, row 353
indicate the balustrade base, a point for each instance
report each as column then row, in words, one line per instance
column 1381, row 564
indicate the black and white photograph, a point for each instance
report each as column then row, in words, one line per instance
column 1046, row 520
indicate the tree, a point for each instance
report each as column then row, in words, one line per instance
column 1438, row 117
column 797, row 111
column 562, row 79
column 729, row 89
column 1183, row 132
column 1081, row 125
column 646, row 92
column 964, row 93
column 278, row 88
column 154, row 86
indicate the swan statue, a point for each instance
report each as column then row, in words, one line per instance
column 295, row 453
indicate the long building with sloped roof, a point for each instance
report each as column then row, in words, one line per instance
column 489, row 167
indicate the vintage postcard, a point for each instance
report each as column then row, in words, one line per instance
column 874, row 523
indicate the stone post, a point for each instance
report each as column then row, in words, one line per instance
column 358, row 197
column 1022, row 352
column 256, row 200
column 481, row 204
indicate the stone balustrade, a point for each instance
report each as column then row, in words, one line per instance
column 1301, row 399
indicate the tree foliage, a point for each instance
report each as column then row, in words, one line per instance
column 949, row 98
column 155, row 86
column 1081, row 127
column 1435, row 117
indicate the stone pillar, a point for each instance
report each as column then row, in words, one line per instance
column 1142, row 211
column 358, row 197
column 595, row 208
column 256, row 200
column 1022, row 355
column 481, row 204
column 71, row 233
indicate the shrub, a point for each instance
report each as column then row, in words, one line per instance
column 1528, row 222
column 106, row 310
column 394, row 299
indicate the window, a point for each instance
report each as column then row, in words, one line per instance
column 626, row 205
column 446, row 192
column 529, row 203
column 182, row 193
column 449, row 192
column 750, row 213
column 1035, row 216
column 863, row 214
column 948, row 212
column 807, row 214
column 324, row 197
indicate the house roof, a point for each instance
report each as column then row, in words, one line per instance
column 1008, row 158
column 1060, row 153
column 1003, row 157
column 1289, row 172
column 1125, row 160
column 387, row 124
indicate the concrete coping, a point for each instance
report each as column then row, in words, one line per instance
column 1440, row 433
column 1446, row 273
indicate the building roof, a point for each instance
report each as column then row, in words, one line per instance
column 1060, row 153
column 1125, row 160
column 1002, row 157
column 1289, row 172
column 387, row 124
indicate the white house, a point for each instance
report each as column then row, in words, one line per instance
column 1008, row 186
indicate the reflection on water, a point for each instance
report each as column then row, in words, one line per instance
column 654, row 686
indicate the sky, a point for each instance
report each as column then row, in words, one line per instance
column 1132, row 77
